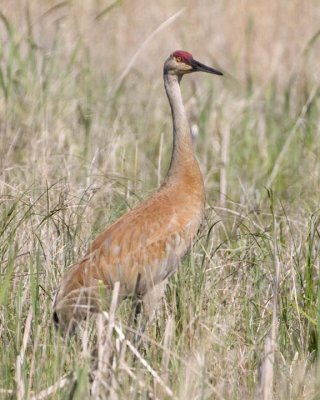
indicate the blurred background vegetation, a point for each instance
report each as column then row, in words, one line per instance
column 85, row 133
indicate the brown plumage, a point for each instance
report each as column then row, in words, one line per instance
column 145, row 246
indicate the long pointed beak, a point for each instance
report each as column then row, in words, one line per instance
column 198, row 66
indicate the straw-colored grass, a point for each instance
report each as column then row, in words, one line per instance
column 85, row 133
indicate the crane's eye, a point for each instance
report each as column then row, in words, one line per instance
column 178, row 59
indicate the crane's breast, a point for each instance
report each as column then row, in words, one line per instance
column 144, row 250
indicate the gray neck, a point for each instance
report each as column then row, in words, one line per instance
column 182, row 152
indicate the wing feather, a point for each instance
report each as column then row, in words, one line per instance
column 148, row 241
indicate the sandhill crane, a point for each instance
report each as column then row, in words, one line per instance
column 145, row 246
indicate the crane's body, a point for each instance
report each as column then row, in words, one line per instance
column 145, row 246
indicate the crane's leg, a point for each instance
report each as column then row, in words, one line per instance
column 150, row 302
column 152, row 299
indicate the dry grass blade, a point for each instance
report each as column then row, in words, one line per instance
column 267, row 368
column 134, row 377
column 48, row 392
column 7, row 392
column 21, row 390
column 167, row 343
column 266, row 372
column 294, row 130
column 107, row 9
column 104, row 344
column 141, row 359
column 133, row 59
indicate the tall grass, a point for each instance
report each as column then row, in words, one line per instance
column 86, row 134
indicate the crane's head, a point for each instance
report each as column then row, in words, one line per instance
column 181, row 62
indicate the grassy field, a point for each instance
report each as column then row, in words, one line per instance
column 85, row 134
